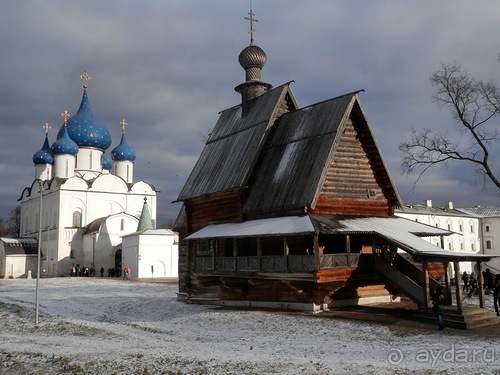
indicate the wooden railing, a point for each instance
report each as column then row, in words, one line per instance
column 281, row 263
column 398, row 278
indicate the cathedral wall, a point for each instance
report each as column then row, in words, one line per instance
column 125, row 169
column 89, row 159
column 64, row 166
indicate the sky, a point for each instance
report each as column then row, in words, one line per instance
column 169, row 67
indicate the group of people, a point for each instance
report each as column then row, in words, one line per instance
column 82, row 271
column 469, row 284
column 76, row 270
column 491, row 285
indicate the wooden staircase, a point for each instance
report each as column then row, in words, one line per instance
column 468, row 318
column 408, row 279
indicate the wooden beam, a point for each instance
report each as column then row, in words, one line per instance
column 458, row 290
column 480, row 282
column 427, row 296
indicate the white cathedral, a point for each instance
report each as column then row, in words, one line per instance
column 88, row 200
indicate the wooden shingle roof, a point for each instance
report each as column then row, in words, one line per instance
column 234, row 146
column 296, row 161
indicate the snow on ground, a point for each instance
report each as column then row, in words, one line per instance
column 111, row 326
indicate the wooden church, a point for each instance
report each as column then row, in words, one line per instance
column 294, row 207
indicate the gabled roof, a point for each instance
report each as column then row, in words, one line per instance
column 301, row 151
column 234, row 145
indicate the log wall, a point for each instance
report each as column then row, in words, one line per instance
column 351, row 186
column 213, row 209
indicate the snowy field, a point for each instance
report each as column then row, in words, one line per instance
column 105, row 326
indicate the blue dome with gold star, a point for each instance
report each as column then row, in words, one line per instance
column 85, row 129
column 123, row 151
column 44, row 156
column 106, row 162
column 64, row 145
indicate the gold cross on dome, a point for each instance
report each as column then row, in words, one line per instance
column 65, row 115
column 124, row 124
column 85, row 77
column 46, row 128
column 252, row 20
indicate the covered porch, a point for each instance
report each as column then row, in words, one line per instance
column 331, row 250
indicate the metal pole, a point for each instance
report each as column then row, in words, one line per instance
column 48, row 251
column 40, row 184
column 93, row 253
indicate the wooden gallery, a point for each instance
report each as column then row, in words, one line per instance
column 294, row 208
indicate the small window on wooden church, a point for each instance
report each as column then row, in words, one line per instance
column 371, row 193
column 203, row 248
column 77, row 219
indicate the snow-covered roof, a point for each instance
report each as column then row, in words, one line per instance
column 277, row 226
column 20, row 241
column 399, row 231
column 487, row 211
column 419, row 209
column 20, row 246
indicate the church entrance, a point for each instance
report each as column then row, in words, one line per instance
column 118, row 259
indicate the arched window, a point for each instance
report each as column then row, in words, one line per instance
column 472, row 229
column 488, row 244
column 77, row 219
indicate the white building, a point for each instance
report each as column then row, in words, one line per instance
column 88, row 199
column 149, row 252
column 490, row 225
column 18, row 256
column 466, row 227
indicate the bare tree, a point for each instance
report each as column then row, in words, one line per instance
column 4, row 231
column 15, row 221
column 474, row 105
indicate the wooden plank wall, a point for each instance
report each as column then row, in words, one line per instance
column 200, row 212
column 213, row 209
column 351, row 187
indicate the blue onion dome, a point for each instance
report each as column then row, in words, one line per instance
column 64, row 145
column 44, row 156
column 86, row 129
column 123, row 151
column 106, row 162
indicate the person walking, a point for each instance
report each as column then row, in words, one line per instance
column 438, row 306
column 496, row 293
column 465, row 281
